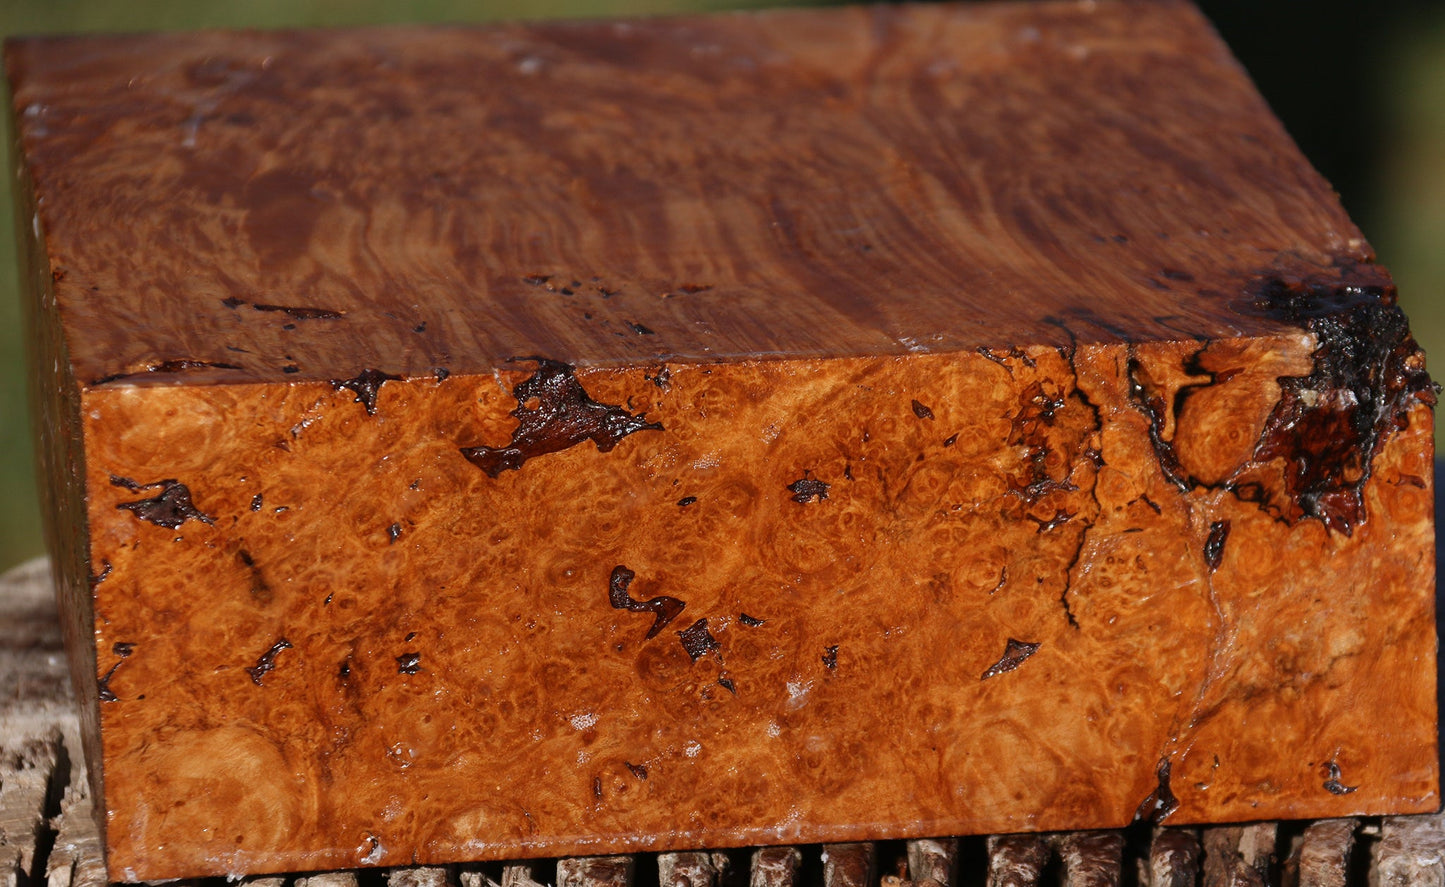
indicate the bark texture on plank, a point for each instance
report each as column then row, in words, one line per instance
column 1410, row 852
column 420, row 876
column 849, row 865
column 1324, row 854
column 775, row 867
column 595, row 871
column 1240, row 856
column 46, row 829
column 1016, row 860
column 76, row 856
column 931, row 861
column 520, row 874
column 1091, row 859
column 28, row 771
column 1174, row 857
column 692, row 869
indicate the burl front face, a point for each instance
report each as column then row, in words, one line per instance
column 811, row 426
column 801, row 602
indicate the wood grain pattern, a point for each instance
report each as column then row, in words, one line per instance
column 1400, row 850
column 874, row 181
column 801, row 427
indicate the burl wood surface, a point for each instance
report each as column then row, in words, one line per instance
column 48, row 836
column 576, row 439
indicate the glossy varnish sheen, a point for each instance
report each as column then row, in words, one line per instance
column 805, row 426
column 871, row 181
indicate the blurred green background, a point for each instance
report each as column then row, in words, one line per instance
column 1360, row 85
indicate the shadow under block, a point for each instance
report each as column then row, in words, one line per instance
column 565, row 439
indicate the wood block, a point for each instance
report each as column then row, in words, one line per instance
column 578, row 439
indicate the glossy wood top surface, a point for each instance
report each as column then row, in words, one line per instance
column 304, row 205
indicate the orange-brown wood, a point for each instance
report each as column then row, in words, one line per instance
column 571, row 439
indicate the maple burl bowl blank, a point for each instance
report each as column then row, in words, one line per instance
column 583, row 438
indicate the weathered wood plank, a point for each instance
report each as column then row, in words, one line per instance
column 1239, row 856
column 420, row 876
column 1174, row 855
column 35, row 698
column 27, row 775
column 521, row 874
column 1016, row 860
column 1410, row 852
column 849, row 865
column 76, row 859
column 931, row 861
column 1091, row 859
column 596, row 871
column 1324, row 856
column 694, row 869
column 775, row 867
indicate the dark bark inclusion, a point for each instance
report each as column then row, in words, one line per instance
column 664, row 609
column 267, row 662
column 697, row 640
column 1156, row 807
column 1214, row 544
column 1368, row 371
column 122, row 650
column 103, row 690
column 367, row 386
column 806, row 489
column 1035, row 430
column 555, row 413
column 1327, row 427
column 1014, row 654
column 170, row 508
column 1332, row 784
column 1151, row 404
column 175, row 365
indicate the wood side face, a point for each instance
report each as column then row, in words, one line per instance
column 921, row 595
column 59, row 447
column 283, row 206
